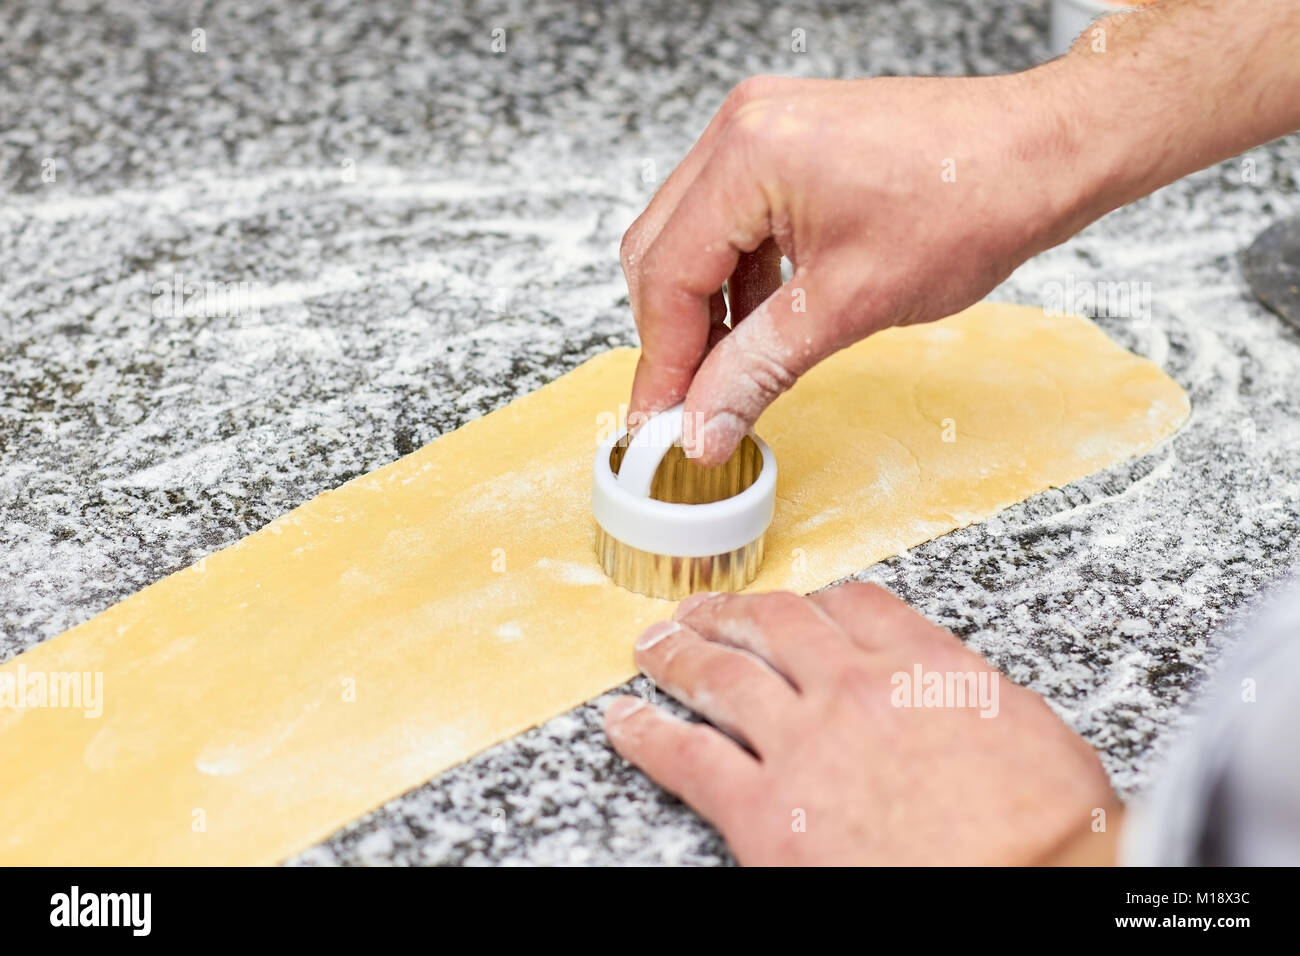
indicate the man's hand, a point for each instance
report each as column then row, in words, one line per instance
column 901, row 200
column 828, row 750
column 895, row 200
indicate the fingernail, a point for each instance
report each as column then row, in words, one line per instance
column 656, row 633
column 719, row 437
column 691, row 602
column 623, row 708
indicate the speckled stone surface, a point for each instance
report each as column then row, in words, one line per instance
column 429, row 229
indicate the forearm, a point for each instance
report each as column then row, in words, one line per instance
column 1169, row 89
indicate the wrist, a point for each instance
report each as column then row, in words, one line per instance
column 1063, row 177
column 1111, row 135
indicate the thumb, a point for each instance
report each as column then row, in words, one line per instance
column 789, row 333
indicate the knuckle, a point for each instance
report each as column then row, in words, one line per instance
column 730, row 604
column 693, row 745
column 777, row 601
column 767, row 375
column 752, row 89
column 700, row 605
column 727, row 609
column 629, row 248
column 751, row 125
column 674, row 662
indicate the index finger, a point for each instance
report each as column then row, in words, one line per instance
column 722, row 214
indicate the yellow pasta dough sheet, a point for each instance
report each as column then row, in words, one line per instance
column 385, row 631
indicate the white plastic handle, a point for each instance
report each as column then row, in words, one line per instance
column 645, row 452
column 622, row 504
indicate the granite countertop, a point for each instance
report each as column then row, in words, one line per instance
column 429, row 229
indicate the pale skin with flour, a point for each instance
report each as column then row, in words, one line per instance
column 846, row 179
